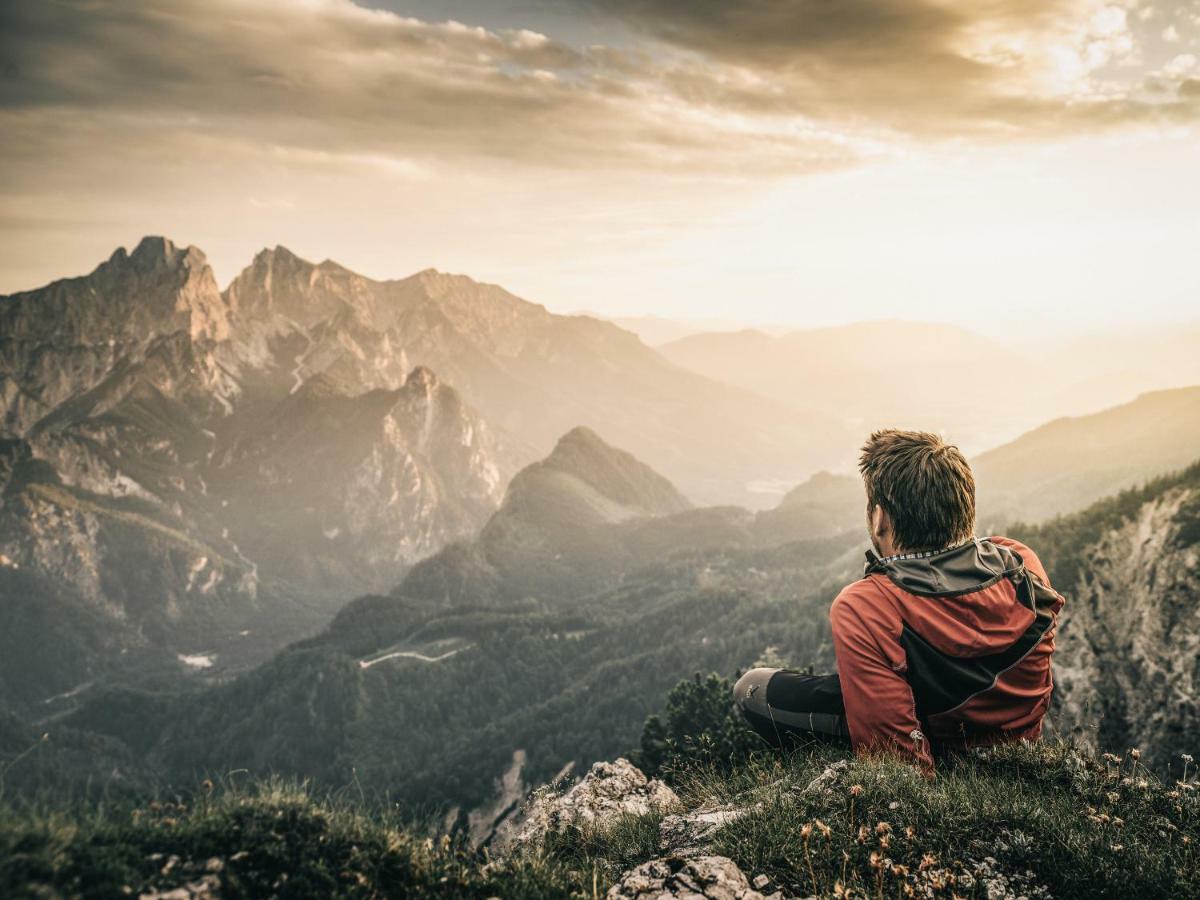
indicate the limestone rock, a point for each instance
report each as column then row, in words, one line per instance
column 827, row 779
column 608, row 791
column 694, row 878
column 206, row 887
column 688, row 834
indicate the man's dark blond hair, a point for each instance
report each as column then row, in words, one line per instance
column 924, row 485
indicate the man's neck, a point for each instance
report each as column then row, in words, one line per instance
column 903, row 553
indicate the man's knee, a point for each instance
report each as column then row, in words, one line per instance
column 750, row 692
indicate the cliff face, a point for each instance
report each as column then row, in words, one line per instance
column 365, row 485
column 1128, row 659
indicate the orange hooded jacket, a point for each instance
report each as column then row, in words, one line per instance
column 946, row 649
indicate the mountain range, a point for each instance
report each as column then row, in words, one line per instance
column 528, row 371
column 206, row 474
column 167, row 474
column 423, row 535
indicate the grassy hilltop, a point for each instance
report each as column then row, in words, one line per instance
column 1018, row 821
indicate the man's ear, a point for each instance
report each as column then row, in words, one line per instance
column 881, row 522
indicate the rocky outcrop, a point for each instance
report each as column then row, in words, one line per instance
column 711, row 877
column 1127, row 666
column 608, row 791
column 689, row 833
column 611, row 790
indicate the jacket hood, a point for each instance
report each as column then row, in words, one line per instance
column 967, row 601
column 971, row 567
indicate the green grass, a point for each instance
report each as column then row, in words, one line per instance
column 1080, row 826
column 271, row 839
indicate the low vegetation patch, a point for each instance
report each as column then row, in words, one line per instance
column 1033, row 821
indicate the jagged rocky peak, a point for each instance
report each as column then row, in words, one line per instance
column 158, row 289
column 422, row 377
column 437, row 283
column 69, row 336
column 425, row 402
column 441, row 424
column 280, row 283
column 154, row 251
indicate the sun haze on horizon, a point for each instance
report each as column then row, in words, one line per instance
column 794, row 163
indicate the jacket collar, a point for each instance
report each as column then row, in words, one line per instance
column 964, row 569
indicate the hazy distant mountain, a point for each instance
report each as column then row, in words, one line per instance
column 1070, row 463
column 978, row 391
column 823, row 506
column 568, row 525
column 585, row 482
column 534, row 373
column 584, row 518
column 876, row 374
column 1056, row 469
column 657, row 330
column 1094, row 372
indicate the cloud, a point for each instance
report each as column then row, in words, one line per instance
column 758, row 87
column 329, row 76
column 1180, row 65
column 928, row 68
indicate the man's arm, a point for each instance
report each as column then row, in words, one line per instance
column 880, row 709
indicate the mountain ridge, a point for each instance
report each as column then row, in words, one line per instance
column 137, row 384
column 530, row 371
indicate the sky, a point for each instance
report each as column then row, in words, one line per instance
column 1008, row 165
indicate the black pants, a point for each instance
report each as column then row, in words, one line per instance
column 784, row 706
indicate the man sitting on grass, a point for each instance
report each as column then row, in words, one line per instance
column 944, row 643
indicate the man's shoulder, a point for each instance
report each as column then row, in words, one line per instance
column 1032, row 561
column 856, row 595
